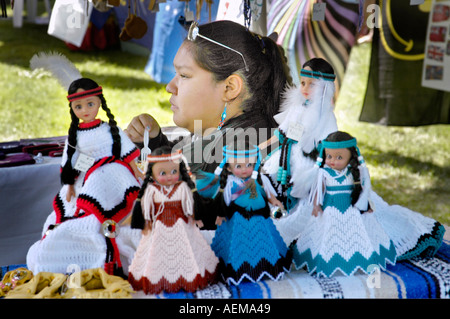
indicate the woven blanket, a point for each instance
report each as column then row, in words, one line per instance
column 418, row 278
column 412, row 279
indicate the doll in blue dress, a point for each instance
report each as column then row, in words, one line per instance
column 351, row 228
column 246, row 240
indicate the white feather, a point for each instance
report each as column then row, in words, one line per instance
column 58, row 65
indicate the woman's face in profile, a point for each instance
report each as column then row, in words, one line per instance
column 195, row 93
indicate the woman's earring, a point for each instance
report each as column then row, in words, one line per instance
column 223, row 116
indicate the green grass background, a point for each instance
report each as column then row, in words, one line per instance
column 409, row 166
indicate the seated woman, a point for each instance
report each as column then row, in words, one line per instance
column 225, row 88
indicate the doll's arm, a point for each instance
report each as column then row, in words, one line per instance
column 316, row 210
column 136, row 170
column 274, row 201
column 267, row 143
column 317, row 207
column 220, row 220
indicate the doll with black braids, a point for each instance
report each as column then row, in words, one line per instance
column 172, row 253
column 246, row 240
column 68, row 173
column 342, row 235
column 100, row 184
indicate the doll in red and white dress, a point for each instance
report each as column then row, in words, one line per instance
column 172, row 254
column 100, row 183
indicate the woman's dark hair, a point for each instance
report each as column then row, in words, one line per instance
column 340, row 136
column 137, row 220
column 267, row 75
column 68, row 173
column 319, row 65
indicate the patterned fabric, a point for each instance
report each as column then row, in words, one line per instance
column 416, row 278
column 303, row 38
column 413, row 279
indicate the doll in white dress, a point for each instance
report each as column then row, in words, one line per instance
column 172, row 255
column 350, row 227
column 100, row 183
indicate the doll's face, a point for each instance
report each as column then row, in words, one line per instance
column 337, row 159
column 241, row 167
column 307, row 85
column 86, row 109
column 166, row 173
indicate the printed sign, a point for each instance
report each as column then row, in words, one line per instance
column 436, row 64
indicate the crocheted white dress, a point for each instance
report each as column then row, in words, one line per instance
column 341, row 239
column 73, row 236
column 174, row 255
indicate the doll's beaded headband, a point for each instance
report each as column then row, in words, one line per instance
column 317, row 75
column 233, row 153
column 176, row 157
column 85, row 94
column 165, row 157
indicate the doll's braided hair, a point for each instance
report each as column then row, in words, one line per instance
column 68, row 173
column 340, row 136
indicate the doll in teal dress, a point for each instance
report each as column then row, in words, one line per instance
column 246, row 240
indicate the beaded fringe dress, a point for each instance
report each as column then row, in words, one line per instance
column 72, row 235
column 174, row 255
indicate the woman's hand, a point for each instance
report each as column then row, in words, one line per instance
column 136, row 128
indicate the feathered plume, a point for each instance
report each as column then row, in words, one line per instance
column 58, row 65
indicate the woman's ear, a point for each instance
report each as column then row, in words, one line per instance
column 234, row 86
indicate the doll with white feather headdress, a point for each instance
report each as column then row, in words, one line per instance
column 100, row 183
column 306, row 118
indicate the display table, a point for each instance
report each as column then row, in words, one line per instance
column 412, row 279
column 27, row 192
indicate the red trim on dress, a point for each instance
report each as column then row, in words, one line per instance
column 147, row 287
column 92, row 124
column 134, row 154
